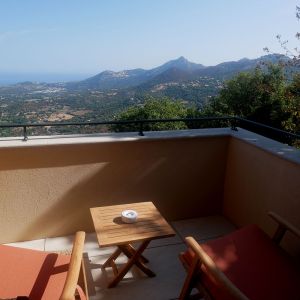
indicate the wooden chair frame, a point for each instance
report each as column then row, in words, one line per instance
column 76, row 270
column 75, row 273
column 193, row 278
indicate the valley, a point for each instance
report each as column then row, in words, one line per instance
column 102, row 97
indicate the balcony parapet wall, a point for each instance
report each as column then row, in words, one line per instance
column 48, row 184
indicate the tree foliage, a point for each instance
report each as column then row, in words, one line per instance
column 153, row 108
column 263, row 96
column 292, row 106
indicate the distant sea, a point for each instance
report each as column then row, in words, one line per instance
column 13, row 78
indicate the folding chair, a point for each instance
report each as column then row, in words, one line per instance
column 246, row 264
column 32, row 274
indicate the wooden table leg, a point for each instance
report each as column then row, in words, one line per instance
column 129, row 252
column 132, row 260
column 112, row 258
column 142, row 257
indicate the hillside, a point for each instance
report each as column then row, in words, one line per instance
column 105, row 94
column 131, row 78
column 177, row 70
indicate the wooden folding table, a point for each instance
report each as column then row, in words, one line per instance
column 112, row 231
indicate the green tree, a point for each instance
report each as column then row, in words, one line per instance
column 153, row 108
column 292, row 106
column 258, row 95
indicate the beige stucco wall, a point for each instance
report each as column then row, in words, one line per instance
column 48, row 190
column 257, row 181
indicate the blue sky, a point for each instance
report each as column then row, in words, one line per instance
column 89, row 36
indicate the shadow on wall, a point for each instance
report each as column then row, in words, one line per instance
column 184, row 178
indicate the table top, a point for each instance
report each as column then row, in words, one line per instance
column 111, row 230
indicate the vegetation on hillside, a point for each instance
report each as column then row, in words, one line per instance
column 263, row 95
column 153, row 108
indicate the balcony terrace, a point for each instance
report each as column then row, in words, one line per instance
column 206, row 182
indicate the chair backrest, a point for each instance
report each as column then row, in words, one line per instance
column 71, row 284
column 213, row 270
column 41, row 275
column 196, row 259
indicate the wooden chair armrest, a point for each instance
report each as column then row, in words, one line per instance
column 283, row 226
column 214, row 270
column 70, row 286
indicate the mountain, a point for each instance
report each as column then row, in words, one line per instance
column 199, row 85
column 180, row 63
column 131, row 78
column 170, row 75
column 226, row 70
column 221, row 72
column 111, row 80
column 177, row 70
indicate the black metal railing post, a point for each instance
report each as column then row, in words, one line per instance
column 141, row 128
column 25, row 136
column 234, row 123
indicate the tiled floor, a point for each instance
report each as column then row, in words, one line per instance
column 162, row 254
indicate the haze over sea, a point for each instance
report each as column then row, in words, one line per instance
column 12, row 78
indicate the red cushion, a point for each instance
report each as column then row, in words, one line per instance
column 36, row 274
column 258, row 267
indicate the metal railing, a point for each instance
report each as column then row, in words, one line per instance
column 233, row 122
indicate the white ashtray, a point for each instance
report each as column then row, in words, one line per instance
column 129, row 216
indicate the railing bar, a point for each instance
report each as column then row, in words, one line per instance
column 142, row 122
column 290, row 134
column 117, row 122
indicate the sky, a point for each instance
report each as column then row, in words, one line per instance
column 88, row 36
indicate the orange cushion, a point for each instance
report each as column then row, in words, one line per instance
column 36, row 274
column 258, row 267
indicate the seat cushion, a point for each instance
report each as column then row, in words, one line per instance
column 256, row 265
column 36, row 274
